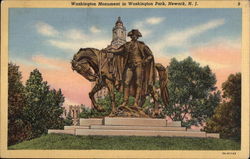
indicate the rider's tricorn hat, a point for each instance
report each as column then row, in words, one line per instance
column 134, row 32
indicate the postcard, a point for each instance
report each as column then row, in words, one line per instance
column 125, row 79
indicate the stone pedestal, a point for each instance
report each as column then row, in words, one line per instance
column 132, row 127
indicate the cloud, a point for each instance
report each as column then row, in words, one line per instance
column 71, row 39
column 23, row 61
column 154, row 20
column 181, row 38
column 146, row 24
column 74, row 34
column 65, row 45
column 47, row 63
column 94, row 29
column 46, row 29
column 76, row 45
column 144, row 30
column 49, row 31
column 39, row 61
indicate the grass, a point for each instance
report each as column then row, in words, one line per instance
column 70, row 142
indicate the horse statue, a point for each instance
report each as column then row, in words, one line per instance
column 94, row 65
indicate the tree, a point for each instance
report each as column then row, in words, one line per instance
column 55, row 100
column 19, row 129
column 192, row 92
column 227, row 117
column 43, row 108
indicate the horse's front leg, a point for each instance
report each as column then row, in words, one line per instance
column 111, row 89
column 98, row 86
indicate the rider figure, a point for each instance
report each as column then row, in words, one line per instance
column 139, row 70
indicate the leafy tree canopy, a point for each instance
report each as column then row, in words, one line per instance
column 19, row 129
column 44, row 105
column 192, row 92
column 227, row 117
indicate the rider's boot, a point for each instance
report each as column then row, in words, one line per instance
column 125, row 97
column 137, row 97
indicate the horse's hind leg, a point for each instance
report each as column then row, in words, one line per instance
column 111, row 89
column 98, row 86
column 155, row 97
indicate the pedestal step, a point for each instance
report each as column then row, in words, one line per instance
column 75, row 127
column 174, row 124
column 117, row 127
column 88, row 122
column 194, row 130
column 138, row 133
column 134, row 121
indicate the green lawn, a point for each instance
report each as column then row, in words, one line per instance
column 70, row 142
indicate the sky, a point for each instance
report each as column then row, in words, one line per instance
column 47, row 39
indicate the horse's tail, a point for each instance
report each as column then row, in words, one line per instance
column 163, row 78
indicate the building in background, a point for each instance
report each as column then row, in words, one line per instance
column 118, row 34
column 72, row 110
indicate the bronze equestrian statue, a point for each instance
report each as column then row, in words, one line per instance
column 138, row 75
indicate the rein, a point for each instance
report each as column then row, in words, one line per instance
column 101, row 64
column 100, row 67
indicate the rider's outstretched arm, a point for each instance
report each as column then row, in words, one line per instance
column 118, row 51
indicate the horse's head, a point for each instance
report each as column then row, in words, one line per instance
column 82, row 64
